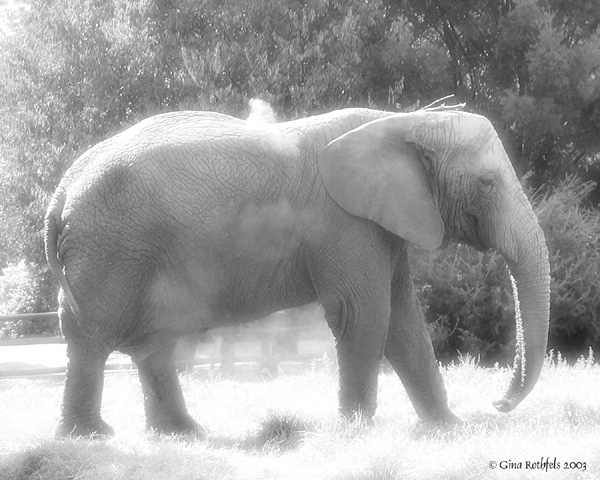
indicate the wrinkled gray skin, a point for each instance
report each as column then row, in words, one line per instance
column 192, row 220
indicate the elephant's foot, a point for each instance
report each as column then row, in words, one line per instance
column 450, row 418
column 180, row 425
column 444, row 416
column 80, row 428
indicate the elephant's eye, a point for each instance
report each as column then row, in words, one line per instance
column 487, row 183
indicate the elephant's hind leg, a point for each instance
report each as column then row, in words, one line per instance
column 165, row 406
column 83, row 393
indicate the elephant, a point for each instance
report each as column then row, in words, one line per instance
column 191, row 220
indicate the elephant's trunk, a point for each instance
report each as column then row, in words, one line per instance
column 530, row 275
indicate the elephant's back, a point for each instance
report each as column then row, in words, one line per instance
column 144, row 153
column 136, row 143
column 189, row 167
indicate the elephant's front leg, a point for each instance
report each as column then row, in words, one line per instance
column 360, row 329
column 409, row 350
column 163, row 399
column 351, row 277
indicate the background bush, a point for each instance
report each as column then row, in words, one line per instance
column 572, row 232
column 74, row 73
column 23, row 289
column 467, row 294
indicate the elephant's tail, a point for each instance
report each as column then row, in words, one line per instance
column 52, row 232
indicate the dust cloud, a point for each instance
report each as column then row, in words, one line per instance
column 260, row 113
column 261, row 119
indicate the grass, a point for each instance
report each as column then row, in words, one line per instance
column 288, row 428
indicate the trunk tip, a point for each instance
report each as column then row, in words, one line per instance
column 505, row 404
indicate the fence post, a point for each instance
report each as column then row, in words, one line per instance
column 228, row 352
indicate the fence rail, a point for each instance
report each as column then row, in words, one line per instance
column 30, row 316
column 30, row 340
column 268, row 345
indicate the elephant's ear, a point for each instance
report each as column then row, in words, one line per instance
column 374, row 173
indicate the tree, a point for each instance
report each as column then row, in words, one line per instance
column 302, row 57
column 80, row 72
column 555, row 114
column 531, row 66
column 74, row 73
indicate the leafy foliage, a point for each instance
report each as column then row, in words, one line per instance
column 467, row 301
column 572, row 234
column 24, row 289
column 467, row 295
column 74, row 73
column 532, row 66
column 301, row 57
column 557, row 110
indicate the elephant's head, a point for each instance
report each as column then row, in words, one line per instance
column 431, row 176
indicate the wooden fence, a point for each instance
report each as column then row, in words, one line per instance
column 266, row 346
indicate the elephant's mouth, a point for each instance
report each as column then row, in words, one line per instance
column 472, row 236
column 480, row 247
column 445, row 241
column 476, row 242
